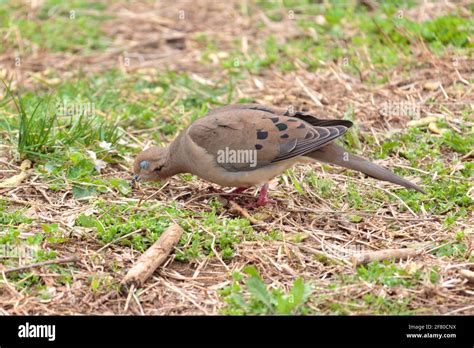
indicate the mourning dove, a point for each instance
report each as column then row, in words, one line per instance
column 249, row 144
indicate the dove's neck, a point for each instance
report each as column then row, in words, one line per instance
column 176, row 158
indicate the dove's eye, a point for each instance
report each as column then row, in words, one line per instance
column 144, row 164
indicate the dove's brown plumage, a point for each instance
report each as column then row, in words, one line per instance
column 275, row 137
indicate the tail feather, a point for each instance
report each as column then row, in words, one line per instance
column 335, row 154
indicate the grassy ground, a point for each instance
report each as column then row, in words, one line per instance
column 90, row 84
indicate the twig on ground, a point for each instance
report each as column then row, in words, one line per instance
column 309, row 92
column 151, row 259
column 71, row 259
column 142, row 199
column 129, row 297
column 379, row 255
column 462, row 309
column 235, row 208
column 467, row 274
column 120, row 238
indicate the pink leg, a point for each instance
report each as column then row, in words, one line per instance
column 262, row 198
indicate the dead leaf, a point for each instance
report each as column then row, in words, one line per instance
column 16, row 180
column 433, row 127
column 412, row 267
column 431, row 85
column 422, row 121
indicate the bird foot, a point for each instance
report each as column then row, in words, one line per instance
column 262, row 198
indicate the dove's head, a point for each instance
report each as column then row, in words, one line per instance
column 152, row 165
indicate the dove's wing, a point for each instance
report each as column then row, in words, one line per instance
column 270, row 136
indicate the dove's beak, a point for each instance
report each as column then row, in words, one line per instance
column 136, row 178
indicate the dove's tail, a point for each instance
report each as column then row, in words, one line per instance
column 335, row 154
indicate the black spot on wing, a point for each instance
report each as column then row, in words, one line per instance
column 284, row 136
column 274, row 119
column 262, row 134
column 258, row 146
column 301, row 126
column 282, row 126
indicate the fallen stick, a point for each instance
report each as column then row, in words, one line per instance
column 40, row 264
column 154, row 257
column 235, row 208
column 379, row 255
column 467, row 274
